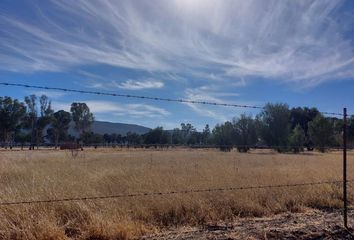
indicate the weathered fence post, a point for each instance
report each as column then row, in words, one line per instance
column 345, row 200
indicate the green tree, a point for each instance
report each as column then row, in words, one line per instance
column 11, row 114
column 321, row 132
column 45, row 117
column 107, row 138
column 206, row 134
column 274, row 125
column 297, row 139
column 92, row 139
column 186, row 131
column 245, row 132
column 156, row 136
column 60, row 126
column 302, row 116
column 224, row 136
column 117, row 138
column 82, row 117
column 337, row 126
column 351, row 129
column 177, row 137
column 195, row 137
column 133, row 138
column 22, row 138
column 37, row 123
column 31, row 117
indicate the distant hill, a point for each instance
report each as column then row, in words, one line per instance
column 101, row 127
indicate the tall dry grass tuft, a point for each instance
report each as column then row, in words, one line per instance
column 44, row 174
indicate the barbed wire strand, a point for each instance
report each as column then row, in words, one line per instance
column 168, row 145
column 154, row 194
column 157, row 145
column 144, row 97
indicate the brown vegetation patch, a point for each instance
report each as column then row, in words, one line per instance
column 40, row 175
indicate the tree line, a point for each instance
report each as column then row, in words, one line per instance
column 276, row 126
column 34, row 122
column 283, row 129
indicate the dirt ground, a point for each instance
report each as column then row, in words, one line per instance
column 311, row 224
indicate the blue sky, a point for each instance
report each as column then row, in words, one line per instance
column 243, row 52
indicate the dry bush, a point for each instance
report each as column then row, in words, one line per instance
column 45, row 174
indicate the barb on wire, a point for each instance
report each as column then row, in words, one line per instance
column 144, row 97
column 155, row 194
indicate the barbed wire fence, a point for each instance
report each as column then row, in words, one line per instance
column 144, row 97
column 152, row 194
column 344, row 148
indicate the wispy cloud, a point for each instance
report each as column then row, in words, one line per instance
column 212, row 93
column 289, row 41
column 138, row 85
column 90, row 75
column 127, row 85
column 116, row 109
column 50, row 94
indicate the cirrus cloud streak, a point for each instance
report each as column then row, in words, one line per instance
column 288, row 41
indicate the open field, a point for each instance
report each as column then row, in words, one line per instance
column 48, row 174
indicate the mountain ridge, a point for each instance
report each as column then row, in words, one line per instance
column 102, row 127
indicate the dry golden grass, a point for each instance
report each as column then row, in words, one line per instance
column 48, row 174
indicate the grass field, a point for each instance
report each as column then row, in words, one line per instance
column 49, row 174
